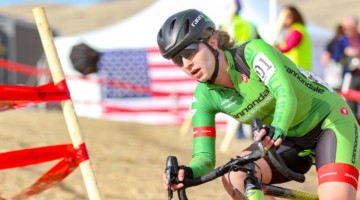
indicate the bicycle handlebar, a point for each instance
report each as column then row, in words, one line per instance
column 234, row 165
column 217, row 172
column 275, row 158
column 284, row 170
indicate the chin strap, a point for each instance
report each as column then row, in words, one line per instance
column 216, row 70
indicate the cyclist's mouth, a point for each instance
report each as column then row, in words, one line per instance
column 194, row 72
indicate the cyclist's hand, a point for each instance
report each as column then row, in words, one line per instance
column 174, row 187
column 268, row 138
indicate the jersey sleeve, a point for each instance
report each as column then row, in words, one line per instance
column 204, row 133
column 269, row 64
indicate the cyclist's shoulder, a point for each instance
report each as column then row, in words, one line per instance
column 250, row 48
column 202, row 89
column 207, row 88
column 206, row 92
column 254, row 44
column 258, row 44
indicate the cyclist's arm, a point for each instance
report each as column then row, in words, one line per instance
column 270, row 64
column 204, row 133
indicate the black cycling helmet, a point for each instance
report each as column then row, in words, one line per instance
column 182, row 29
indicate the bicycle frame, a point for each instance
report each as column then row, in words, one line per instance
column 286, row 193
column 254, row 188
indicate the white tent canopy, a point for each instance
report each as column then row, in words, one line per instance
column 140, row 30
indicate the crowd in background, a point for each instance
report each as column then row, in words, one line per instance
column 341, row 55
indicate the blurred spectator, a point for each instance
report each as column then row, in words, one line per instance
column 347, row 51
column 296, row 44
column 240, row 29
column 333, row 70
column 329, row 49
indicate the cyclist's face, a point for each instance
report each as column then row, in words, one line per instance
column 200, row 65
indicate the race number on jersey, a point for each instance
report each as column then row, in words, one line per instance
column 263, row 67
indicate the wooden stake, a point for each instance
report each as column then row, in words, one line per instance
column 279, row 25
column 67, row 105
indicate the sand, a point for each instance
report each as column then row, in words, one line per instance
column 128, row 158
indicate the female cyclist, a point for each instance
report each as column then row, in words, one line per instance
column 254, row 79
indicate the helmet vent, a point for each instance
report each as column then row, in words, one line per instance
column 172, row 26
column 187, row 27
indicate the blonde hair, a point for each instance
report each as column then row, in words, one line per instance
column 225, row 41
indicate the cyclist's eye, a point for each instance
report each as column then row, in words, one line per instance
column 188, row 52
column 177, row 60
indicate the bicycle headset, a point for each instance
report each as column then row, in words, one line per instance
column 182, row 29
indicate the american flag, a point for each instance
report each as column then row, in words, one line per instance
column 136, row 85
column 144, row 87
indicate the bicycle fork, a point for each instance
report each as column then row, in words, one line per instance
column 253, row 189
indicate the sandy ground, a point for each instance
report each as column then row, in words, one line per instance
column 128, row 158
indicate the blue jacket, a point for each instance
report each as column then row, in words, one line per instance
column 340, row 46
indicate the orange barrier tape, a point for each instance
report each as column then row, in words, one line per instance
column 33, row 71
column 71, row 158
column 19, row 96
column 23, row 69
column 353, row 95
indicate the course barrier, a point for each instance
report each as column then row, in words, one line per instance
column 70, row 160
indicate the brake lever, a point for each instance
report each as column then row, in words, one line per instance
column 171, row 172
column 274, row 157
column 256, row 126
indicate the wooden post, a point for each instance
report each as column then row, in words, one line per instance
column 67, row 105
column 279, row 25
column 186, row 125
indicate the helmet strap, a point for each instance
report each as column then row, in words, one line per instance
column 216, row 70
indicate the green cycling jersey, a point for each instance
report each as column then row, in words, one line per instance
column 271, row 87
